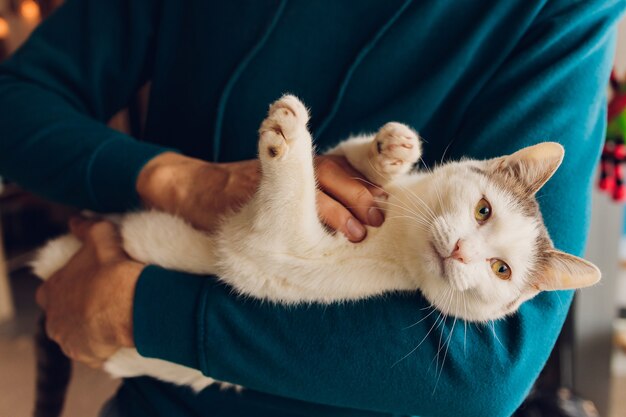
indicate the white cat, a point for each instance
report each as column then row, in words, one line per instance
column 468, row 230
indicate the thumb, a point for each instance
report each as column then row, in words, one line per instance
column 79, row 226
column 41, row 297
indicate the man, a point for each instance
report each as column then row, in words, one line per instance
column 479, row 78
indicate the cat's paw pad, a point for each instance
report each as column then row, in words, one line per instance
column 396, row 148
column 285, row 122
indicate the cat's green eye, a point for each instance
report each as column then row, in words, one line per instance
column 482, row 211
column 501, row 269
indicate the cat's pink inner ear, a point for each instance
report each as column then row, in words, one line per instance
column 566, row 272
column 534, row 165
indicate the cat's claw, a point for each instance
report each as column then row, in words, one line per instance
column 285, row 122
column 396, row 148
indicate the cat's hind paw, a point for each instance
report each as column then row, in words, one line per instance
column 396, row 148
column 285, row 123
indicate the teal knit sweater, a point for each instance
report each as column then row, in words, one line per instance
column 478, row 78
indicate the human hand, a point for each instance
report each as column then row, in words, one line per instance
column 201, row 192
column 88, row 303
column 345, row 199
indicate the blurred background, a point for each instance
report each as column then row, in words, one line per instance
column 587, row 371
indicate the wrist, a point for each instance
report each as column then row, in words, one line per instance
column 166, row 314
column 161, row 181
column 129, row 271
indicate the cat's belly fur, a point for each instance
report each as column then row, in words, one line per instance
column 326, row 269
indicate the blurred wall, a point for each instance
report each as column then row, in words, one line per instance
column 595, row 308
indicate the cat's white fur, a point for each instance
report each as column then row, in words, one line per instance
column 275, row 248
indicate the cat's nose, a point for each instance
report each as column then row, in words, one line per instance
column 459, row 254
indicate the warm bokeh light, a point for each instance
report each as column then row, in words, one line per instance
column 4, row 28
column 29, row 9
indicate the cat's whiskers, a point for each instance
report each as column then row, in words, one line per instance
column 439, row 346
column 404, row 207
column 420, row 320
column 429, row 169
column 473, row 295
column 443, row 155
column 391, row 195
column 415, row 198
column 412, row 196
column 441, row 316
column 449, row 342
column 464, row 324
column 407, row 209
column 421, row 341
column 443, row 327
column 417, row 215
column 431, row 306
column 415, row 218
column 493, row 328
column 413, row 221
column 408, row 192
column 425, row 218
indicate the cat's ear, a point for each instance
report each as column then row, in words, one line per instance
column 532, row 166
column 566, row 272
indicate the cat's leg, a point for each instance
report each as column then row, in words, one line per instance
column 285, row 202
column 54, row 255
column 391, row 152
column 128, row 363
column 162, row 239
column 57, row 252
column 151, row 237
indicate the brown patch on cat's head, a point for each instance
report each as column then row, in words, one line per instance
column 527, row 170
column 555, row 270
column 524, row 172
column 542, row 246
column 526, row 202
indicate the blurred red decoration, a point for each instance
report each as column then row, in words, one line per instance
column 613, row 156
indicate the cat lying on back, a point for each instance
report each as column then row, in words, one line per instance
column 471, row 227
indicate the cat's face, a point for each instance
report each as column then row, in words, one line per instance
column 487, row 250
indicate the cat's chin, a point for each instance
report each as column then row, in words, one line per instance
column 443, row 292
column 443, row 269
column 462, row 305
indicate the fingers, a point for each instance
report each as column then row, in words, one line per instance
column 337, row 217
column 79, row 227
column 349, row 202
column 86, row 229
column 92, row 358
column 103, row 235
column 352, row 173
column 78, row 348
column 41, row 297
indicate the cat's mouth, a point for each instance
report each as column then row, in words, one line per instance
column 440, row 260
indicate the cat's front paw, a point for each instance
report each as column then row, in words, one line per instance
column 396, row 148
column 285, row 124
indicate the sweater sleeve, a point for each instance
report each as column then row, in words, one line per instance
column 389, row 353
column 78, row 68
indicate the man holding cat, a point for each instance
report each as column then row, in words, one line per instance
column 478, row 78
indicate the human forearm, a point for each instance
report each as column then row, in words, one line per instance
column 56, row 94
column 345, row 355
column 88, row 301
column 202, row 192
column 50, row 148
